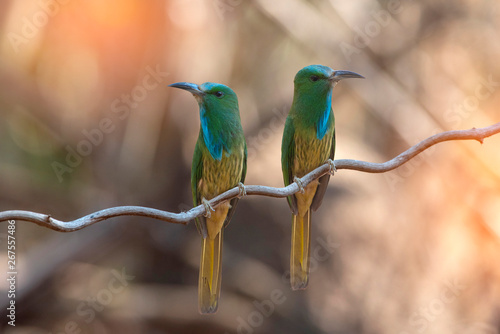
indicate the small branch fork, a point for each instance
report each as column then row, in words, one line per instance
column 47, row 221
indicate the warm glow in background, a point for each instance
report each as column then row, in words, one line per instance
column 416, row 250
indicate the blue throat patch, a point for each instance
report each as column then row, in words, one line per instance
column 214, row 145
column 322, row 125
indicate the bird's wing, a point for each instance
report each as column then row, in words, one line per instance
column 287, row 157
column 323, row 181
column 235, row 200
column 196, row 177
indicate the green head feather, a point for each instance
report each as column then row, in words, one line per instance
column 219, row 115
column 312, row 100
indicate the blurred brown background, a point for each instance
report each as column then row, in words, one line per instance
column 87, row 122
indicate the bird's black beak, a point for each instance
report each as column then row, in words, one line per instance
column 190, row 87
column 339, row 75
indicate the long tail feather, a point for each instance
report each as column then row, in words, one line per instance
column 301, row 245
column 210, row 274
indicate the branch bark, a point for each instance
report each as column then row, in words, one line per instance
column 47, row 221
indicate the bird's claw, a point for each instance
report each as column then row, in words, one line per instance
column 333, row 170
column 299, row 183
column 208, row 208
column 243, row 191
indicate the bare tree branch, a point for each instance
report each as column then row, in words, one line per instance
column 184, row 217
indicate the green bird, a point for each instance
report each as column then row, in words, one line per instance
column 219, row 164
column 308, row 142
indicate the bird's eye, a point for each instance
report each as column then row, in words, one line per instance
column 219, row 94
column 314, row 78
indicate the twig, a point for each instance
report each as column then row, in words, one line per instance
column 184, row 217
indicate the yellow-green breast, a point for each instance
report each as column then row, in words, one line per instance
column 221, row 175
column 310, row 153
column 218, row 177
